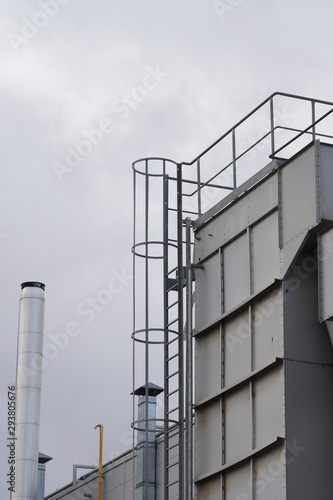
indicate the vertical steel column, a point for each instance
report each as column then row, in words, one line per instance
column 133, row 323
column 145, row 468
column 180, row 327
column 166, row 329
column 189, row 368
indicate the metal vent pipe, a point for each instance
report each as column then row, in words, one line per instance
column 28, row 389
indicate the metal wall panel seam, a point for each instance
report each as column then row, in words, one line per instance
column 258, row 451
column 284, row 421
column 235, row 310
column 280, row 209
column 252, row 399
column 222, row 279
column 252, row 337
column 222, row 347
column 318, row 180
column 222, row 422
column 252, row 479
column 320, row 278
column 255, row 374
column 223, row 429
column 252, row 403
column 250, row 256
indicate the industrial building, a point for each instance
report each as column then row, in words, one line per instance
column 232, row 317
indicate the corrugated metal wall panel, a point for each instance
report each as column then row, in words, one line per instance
column 238, row 424
column 234, row 219
column 267, row 317
column 299, row 195
column 326, row 181
column 208, row 438
column 325, row 275
column 208, row 354
column 210, row 490
column 270, row 475
column 268, row 406
column 237, row 348
column 265, row 253
column 236, row 264
column 237, row 483
column 209, row 282
column 309, row 451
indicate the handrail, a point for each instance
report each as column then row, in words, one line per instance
column 298, row 135
column 268, row 99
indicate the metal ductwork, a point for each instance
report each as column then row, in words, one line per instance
column 145, row 481
column 28, row 389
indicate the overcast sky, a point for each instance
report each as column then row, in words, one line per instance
column 87, row 87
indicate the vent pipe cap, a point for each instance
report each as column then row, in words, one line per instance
column 36, row 284
column 152, row 390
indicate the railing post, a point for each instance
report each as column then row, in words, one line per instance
column 234, row 158
column 313, row 109
column 272, row 124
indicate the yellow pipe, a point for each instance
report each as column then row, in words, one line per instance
column 100, row 460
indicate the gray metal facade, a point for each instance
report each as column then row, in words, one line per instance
column 264, row 361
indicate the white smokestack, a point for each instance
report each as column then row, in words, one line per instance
column 28, row 389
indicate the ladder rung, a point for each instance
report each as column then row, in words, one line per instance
column 171, row 411
column 174, row 482
column 172, row 322
column 172, row 270
column 173, row 392
column 173, row 304
column 172, row 465
column 173, row 374
column 172, row 341
column 173, row 357
column 172, row 447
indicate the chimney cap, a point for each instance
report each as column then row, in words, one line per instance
column 32, row 284
column 152, row 390
column 42, row 458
